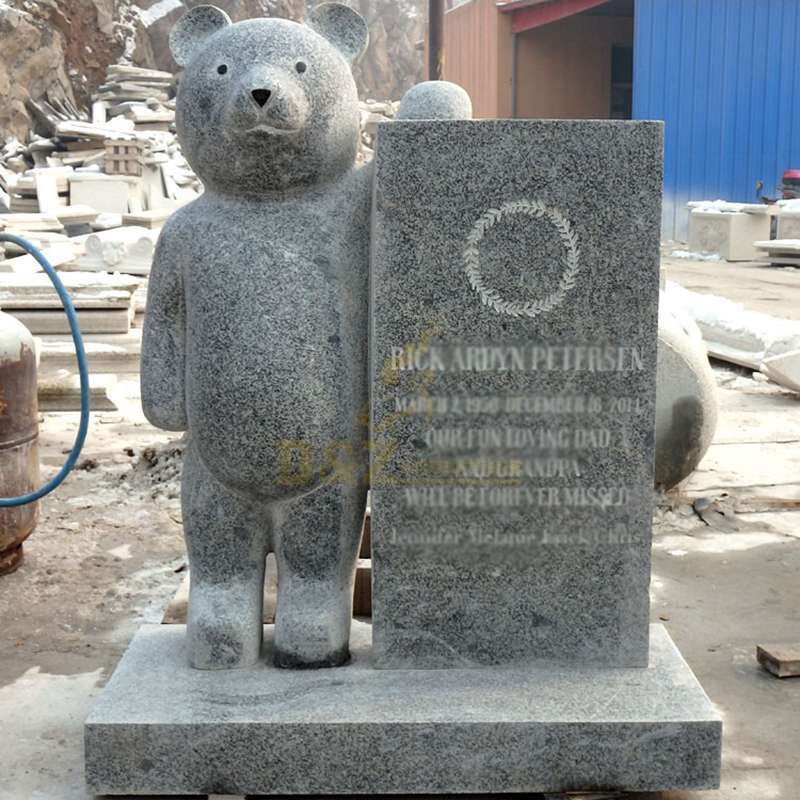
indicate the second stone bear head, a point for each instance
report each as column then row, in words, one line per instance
column 268, row 104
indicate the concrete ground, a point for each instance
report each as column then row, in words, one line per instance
column 760, row 287
column 726, row 577
column 108, row 555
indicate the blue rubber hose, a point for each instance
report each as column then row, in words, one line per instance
column 83, row 371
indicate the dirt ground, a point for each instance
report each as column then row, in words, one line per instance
column 108, row 555
column 101, row 562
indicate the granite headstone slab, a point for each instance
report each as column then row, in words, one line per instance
column 514, row 320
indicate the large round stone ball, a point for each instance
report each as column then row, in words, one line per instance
column 435, row 100
column 686, row 400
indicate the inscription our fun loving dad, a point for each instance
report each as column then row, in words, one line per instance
column 515, row 295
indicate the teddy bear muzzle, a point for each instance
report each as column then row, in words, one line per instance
column 269, row 105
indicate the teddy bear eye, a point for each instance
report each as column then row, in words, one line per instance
column 222, row 69
column 301, row 67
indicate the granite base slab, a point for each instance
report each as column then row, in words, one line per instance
column 160, row 727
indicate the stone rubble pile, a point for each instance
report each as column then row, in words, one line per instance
column 122, row 167
column 143, row 96
column 92, row 196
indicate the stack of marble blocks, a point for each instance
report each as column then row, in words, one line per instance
column 511, row 649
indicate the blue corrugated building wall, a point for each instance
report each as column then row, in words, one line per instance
column 723, row 75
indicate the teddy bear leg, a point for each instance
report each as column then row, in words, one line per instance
column 227, row 541
column 316, row 547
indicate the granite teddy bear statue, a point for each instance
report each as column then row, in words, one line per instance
column 255, row 340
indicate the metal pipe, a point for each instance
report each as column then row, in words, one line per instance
column 435, row 40
column 83, row 372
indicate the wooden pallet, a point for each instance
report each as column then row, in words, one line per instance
column 124, row 157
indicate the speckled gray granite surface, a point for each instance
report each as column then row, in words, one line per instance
column 255, row 340
column 514, row 307
column 163, row 728
column 256, row 334
column 435, row 100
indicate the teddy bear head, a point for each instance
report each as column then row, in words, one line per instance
column 268, row 104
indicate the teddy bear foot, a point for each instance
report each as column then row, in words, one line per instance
column 312, row 638
column 284, row 659
column 222, row 647
column 232, row 641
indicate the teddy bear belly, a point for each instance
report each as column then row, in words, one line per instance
column 264, row 454
column 274, row 394
column 273, row 433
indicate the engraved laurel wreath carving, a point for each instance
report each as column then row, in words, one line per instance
column 571, row 261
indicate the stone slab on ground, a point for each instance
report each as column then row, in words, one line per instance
column 57, row 255
column 87, row 291
column 90, row 320
column 782, row 660
column 784, row 369
column 61, row 391
column 160, row 727
column 779, row 245
column 788, row 225
column 734, row 333
column 148, row 219
column 115, row 353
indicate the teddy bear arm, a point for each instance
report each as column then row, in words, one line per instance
column 163, row 362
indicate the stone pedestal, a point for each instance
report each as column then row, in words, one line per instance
column 514, row 355
column 788, row 225
column 162, row 728
column 730, row 235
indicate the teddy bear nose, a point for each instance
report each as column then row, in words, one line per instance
column 261, row 96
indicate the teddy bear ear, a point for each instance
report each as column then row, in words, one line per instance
column 344, row 28
column 192, row 29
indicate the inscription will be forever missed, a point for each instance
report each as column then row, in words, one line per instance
column 501, row 453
